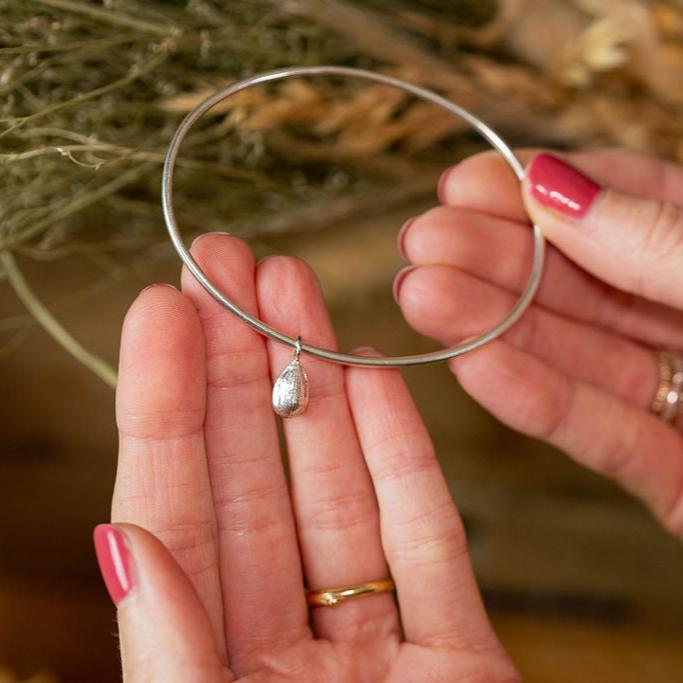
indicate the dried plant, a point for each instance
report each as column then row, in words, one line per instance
column 90, row 94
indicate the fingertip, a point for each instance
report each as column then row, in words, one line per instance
column 292, row 300
column 214, row 250
column 228, row 262
column 205, row 235
column 157, row 305
column 287, row 271
column 161, row 364
column 484, row 182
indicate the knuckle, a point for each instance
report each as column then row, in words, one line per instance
column 257, row 509
column 400, row 455
column 551, row 414
column 663, row 228
column 342, row 511
column 431, row 538
column 160, row 426
column 400, row 464
column 233, row 368
column 192, row 543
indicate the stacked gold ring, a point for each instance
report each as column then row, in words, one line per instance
column 667, row 401
column 330, row 597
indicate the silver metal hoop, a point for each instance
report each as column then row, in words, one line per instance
column 483, row 129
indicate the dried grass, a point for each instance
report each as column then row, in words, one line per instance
column 91, row 92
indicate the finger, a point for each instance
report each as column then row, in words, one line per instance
column 259, row 560
column 461, row 185
column 616, row 364
column 597, row 429
column 500, row 251
column 632, row 243
column 422, row 533
column 334, row 502
column 165, row 632
column 162, row 481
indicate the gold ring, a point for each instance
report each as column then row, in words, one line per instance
column 333, row 596
column 667, row 400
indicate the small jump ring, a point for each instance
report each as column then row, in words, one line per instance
column 482, row 128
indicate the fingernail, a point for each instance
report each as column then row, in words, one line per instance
column 558, row 185
column 441, row 187
column 264, row 259
column 400, row 240
column 361, row 350
column 158, row 284
column 114, row 560
column 398, row 280
column 197, row 239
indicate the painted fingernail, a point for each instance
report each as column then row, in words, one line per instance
column 441, row 187
column 114, row 560
column 400, row 240
column 398, row 280
column 199, row 238
column 558, row 185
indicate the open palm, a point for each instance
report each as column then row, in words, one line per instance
column 219, row 546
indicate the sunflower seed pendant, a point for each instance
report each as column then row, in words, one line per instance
column 290, row 391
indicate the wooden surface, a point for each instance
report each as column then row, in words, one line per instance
column 581, row 583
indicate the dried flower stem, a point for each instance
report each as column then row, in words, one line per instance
column 80, row 202
column 107, row 16
column 51, row 325
column 131, row 76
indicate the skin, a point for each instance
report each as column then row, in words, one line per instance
column 221, row 547
column 579, row 370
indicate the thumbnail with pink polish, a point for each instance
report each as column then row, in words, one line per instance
column 556, row 184
column 114, row 560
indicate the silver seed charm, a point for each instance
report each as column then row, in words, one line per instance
column 290, row 391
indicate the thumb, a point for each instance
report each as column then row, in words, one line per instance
column 164, row 630
column 633, row 244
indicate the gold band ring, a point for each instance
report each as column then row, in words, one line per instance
column 667, row 401
column 333, row 596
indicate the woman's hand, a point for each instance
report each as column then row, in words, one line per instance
column 580, row 369
column 210, row 549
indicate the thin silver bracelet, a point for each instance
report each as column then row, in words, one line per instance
column 290, row 393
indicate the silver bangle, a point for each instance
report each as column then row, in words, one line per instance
column 484, row 130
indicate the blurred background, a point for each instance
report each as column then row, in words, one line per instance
column 581, row 583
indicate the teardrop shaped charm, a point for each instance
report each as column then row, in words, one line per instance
column 290, row 391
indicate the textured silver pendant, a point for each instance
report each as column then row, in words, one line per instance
column 290, row 391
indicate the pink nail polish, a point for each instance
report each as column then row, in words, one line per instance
column 400, row 240
column 556, row 184
column 114, row 560
column 398, row 280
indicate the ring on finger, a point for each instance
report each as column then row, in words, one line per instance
column 669, row 395
column 333, row 596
